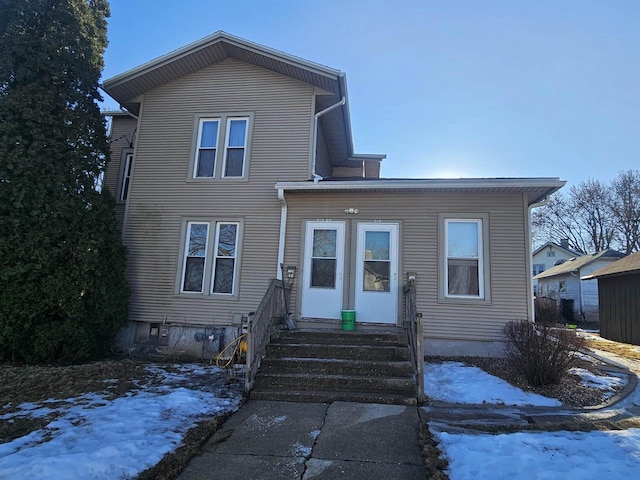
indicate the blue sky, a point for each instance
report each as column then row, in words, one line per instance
column 453, row 89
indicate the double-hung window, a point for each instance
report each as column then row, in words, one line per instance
column 221, row 147
column 464, row 268
column 211, row 271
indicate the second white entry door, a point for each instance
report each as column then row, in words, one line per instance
column 376, row 285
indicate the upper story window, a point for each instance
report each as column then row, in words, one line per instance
column 538, row 268
column 235, row 144
column 222, row 146
column 551, row 253
column 207, row 147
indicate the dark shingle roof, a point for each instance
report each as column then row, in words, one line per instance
column 576, row 263
column 627, row 264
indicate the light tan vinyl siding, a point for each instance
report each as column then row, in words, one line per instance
column 165, row 196
column 122, row 133
column 372, row 169
column 417, row 214
column 323, row 162
column 347, row 172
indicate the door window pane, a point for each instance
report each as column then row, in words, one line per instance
column 323, row 258
column 376, row 276
column 376, row 245
column 323, row 273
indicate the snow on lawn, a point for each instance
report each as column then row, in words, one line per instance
column 456, row 382
column 542, row 455
column 608, row 384
column 96, row 438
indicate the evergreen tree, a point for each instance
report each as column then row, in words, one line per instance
column 63, row 293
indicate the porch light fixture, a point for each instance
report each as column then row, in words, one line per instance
column 351, row 211
column 291, row 272
column 411, row 276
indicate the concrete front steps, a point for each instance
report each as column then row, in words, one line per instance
column 331, row 365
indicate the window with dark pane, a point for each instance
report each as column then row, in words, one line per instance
column 126, row 177
column 463, row 258
column 377, row 263
column 207, row 148
column 225, row 258
column 195, row 255
column 323, row 258
column 235, row 148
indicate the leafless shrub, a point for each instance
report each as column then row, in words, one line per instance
column 542, row 354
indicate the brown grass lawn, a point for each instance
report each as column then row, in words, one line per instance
column 623, row 349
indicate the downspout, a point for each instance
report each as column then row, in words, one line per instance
column 541, row 203
column 314, row 174
column 283, row 231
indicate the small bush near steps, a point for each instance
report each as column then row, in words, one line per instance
column 542, row 354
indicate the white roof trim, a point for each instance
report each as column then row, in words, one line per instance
column 425, row 184
column 207, row 41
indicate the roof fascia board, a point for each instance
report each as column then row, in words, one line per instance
column 220, row 36
column 427, row 184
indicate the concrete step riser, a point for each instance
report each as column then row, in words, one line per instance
column 322, row 382
column 349, row 367
column 325, row 397
column 338, row 352
column 340, row 339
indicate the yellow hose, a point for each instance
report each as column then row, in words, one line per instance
column 240, row 346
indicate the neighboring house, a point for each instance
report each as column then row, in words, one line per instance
column 577, row 298
column 549, row 255
column 619, row 293
column 230, row 159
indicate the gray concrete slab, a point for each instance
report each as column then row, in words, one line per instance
column 285, row 440
column 370, row 432
column 349, row 470
column 243, row 467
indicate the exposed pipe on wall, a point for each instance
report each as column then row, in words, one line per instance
column 283, row 232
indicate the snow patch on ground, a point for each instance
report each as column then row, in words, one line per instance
column 92, row 437
column 608, row 384
column 455, row 382
column 542, row 455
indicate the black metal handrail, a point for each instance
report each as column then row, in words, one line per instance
column 260, row 326
column 412, row 325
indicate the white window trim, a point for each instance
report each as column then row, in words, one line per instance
column 210, row 254
column 484, row 267
column 198, row 148
column 222, row 140
column 185, row 256
column 216, row 257
column 479, row 258
column 226, row 146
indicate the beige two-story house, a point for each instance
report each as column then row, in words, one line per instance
column 230, row 159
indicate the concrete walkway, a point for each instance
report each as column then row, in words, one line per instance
column 282, row 440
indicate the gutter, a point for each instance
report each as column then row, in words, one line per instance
column 283, row 230
column 314, row 174
column 532, row 304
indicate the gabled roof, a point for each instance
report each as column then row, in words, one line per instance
column 628, row 264
column 536, row 188
column 128, row 87
column 576, row 263
column 559, row 247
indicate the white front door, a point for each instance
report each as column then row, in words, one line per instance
column 323, row 270
column 377, row 273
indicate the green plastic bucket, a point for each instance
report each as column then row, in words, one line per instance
column 348, row 319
